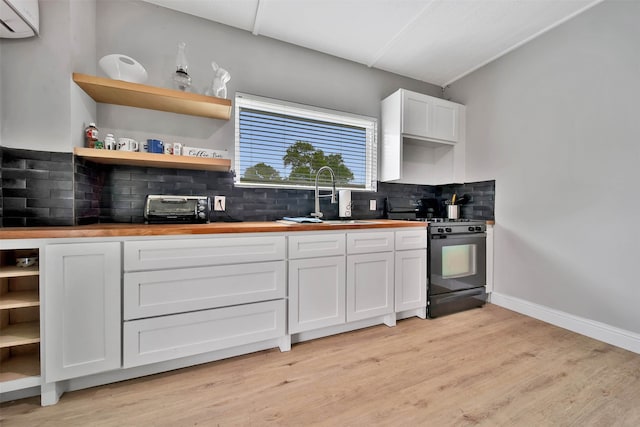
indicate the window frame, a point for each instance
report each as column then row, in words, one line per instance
column 270, row 105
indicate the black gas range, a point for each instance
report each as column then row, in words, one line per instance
column 456, row 257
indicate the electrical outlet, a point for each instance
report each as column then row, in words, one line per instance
column 372, row 205
column 219, row 203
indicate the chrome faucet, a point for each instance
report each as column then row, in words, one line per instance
column 317, row 212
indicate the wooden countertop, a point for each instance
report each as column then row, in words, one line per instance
column 121, row 230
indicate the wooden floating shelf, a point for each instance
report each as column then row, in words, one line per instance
column 133, row 158
column 13, row 271
column 119, row 92
column 19, row 300
column 20, row 334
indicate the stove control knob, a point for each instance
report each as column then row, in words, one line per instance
column 448, row 230
column 440, row 230
column 201, row 215
column 478, row 228
column 471, row 228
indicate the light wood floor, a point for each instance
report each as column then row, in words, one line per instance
column 487, row 366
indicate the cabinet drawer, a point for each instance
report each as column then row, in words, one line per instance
column 154, row 293
column 165, row 254
column 170, row 337
column 379, row 241
column 316, row 245
column 411, row 239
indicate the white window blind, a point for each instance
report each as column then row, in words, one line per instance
column 284, row 144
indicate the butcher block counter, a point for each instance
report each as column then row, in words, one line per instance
column 123, row 230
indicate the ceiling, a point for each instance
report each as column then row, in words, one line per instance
column 435, row 41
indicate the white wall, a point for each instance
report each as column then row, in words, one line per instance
column 557, row 124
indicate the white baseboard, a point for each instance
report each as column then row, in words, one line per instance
column 590, row 328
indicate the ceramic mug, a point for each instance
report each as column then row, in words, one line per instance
column 127, row 144
column 155, row 146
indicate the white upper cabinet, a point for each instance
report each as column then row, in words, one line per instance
column 422, row 139
column 428, row 117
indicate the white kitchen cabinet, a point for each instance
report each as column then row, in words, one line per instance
column 490, row 245
column 423, row 139
column 370, row 265
column 185, row 297
column 428, row 117
column 317, row 292
column 160, row 292
column 370, row 287
column 411, row 271
column 82, row 309
column 163, row 338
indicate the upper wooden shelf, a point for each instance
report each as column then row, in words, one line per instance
column 134, row 158
column 120, row 92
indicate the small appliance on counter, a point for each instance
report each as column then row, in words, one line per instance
column 166, row 209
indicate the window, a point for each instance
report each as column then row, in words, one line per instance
column 281, row 144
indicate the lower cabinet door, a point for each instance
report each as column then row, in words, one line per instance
column 370, row 286
column 169, row 337
column 82, row 309
column 316, row 293
column 411, row 279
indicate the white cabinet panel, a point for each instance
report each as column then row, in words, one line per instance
column 411, row 239
column 170, row 337
column 316, row 245
column 165, row 254
column 370, row 286
column 82, row 309
column 153, row 293
column 366, row 242
column 411, row 280
column 316, row 293
column 445, row 120
column 416, row 114
column 423, row 139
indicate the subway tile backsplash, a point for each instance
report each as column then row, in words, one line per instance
column 42, row 188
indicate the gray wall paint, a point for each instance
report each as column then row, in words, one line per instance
column 556, row 124
column 42, row 109
column 258, row 65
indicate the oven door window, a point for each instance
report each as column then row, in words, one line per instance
column 459, row 261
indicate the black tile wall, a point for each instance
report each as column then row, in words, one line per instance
column 37, row 188
column 480, row 195
column 41, row 188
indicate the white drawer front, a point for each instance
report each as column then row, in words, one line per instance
column 165, row 254
column 170, row 337
column 316, row 245
column 411, row 239
column 154, row 293
column 377, row 241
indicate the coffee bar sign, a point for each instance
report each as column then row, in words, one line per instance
column 205, row 152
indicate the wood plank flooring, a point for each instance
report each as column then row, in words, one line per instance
column 488, row 366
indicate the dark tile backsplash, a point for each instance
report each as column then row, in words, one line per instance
column 41, row 188
column 37, row 188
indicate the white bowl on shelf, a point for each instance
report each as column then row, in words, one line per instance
column 25, row 262
column 123, row 67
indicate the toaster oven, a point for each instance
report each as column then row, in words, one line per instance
column 164, row 209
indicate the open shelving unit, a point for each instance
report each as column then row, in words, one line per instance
column 19, row 322
column 119, row 92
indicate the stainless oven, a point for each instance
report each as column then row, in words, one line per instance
column 457, row 266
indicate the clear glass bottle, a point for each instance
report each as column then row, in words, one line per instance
column 181, row 78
